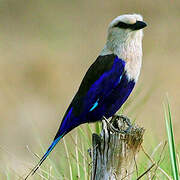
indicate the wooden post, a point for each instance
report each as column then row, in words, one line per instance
column 114, row 153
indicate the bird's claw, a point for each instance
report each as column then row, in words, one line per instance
column 126, row 119
column 117, row 130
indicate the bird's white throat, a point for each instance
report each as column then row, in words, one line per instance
column 129, row 50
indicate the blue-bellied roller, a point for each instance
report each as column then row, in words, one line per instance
column 109, row 80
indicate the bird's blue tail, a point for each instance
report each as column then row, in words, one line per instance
column 45, row 156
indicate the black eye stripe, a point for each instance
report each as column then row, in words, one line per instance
column 123, row 25
column 136, row 26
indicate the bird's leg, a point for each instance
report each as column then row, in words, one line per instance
column 126, row 119
column 128, row 122
column 112, row 128
column 116, row 123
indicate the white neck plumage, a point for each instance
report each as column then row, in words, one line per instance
column 129, row 50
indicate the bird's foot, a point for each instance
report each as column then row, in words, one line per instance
column 114, row 125
column 110, row 126
column 121, row 124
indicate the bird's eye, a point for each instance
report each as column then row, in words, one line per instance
column 123, row 25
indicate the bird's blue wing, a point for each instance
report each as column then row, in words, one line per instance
column 102, row 76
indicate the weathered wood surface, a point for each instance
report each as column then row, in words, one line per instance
column 114, row 153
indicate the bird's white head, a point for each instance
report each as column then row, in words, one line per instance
column 124, row 39
column 124, row 31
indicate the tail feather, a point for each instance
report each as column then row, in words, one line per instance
column 51, row 147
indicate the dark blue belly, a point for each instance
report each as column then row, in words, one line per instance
column 113, row 101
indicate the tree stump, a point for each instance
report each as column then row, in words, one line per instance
column 114, row 153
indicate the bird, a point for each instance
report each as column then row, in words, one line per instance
column 109, row 80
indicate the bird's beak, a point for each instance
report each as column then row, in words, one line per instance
column 139, row 25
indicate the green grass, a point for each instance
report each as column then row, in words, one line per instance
column 171, row 142
column 71, row 161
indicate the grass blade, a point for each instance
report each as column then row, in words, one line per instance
column 83, row 134
column 98, row 127
column 68, row 158
column 84, row 163
column 77, row 155
column 170, row 135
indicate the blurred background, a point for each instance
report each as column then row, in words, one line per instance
column 46, row 48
